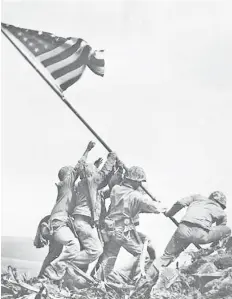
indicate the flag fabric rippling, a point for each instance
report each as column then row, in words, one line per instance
column 64, row 58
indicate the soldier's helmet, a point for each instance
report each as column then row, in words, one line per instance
column 136, row 173
column 88, row 170
column 219, row 197
column 64, row 171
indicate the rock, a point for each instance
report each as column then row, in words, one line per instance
column 207, row 268
column 219, row 289
column 224, row 262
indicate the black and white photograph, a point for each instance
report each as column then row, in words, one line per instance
column 116, row 149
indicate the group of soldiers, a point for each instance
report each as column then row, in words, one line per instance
column 80, row 229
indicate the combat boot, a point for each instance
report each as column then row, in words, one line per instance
column 152, row 275
column 55, row 271
column 166, row 278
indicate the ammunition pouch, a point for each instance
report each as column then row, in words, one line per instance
column 109, row 226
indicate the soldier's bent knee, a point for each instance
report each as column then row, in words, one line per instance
column 94, row 253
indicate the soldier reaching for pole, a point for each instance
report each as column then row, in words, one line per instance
column 195, row 227
column 59, row 222
column 126, row 204
column 116, row 178
column 87, row 210
column 43, row 238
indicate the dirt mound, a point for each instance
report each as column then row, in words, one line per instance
column 208, row 277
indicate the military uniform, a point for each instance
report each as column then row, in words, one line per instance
column 126, row 204
column 195, row 227
column 59, row 222
column 87, row 234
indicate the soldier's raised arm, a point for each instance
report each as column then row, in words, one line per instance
column 100, row 176
column 89, row 147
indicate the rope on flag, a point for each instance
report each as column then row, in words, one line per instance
column 64, row 58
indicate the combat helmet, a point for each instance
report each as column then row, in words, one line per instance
column 64, row 171
column 136, row 173
column 219, row 197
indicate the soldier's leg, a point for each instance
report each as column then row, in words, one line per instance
column 92, row 247
column 108, row 259
column 55, row 250
column 99, row 261
column 181, row 239
column 215, row 234
column 133, row 242
column 178, row 243
column 71, row 246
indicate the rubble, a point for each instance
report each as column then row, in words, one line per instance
column 208, row 277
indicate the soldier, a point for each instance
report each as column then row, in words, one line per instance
column 59, row 221
column 195, row 227
column 43, row 238
column 87, row 210
column 126, row 203
column 116, row 178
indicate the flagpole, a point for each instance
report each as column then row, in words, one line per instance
column 59, row 92
column 55, row 88
column 32, row 63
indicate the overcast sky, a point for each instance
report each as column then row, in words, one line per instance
column 164, row 104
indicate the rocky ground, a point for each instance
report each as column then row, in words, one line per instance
column 209, row 276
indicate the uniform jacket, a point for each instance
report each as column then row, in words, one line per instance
column 201, row 211
column 127, row 203
column 95, row 182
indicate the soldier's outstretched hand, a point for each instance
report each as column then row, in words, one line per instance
column 161, row 208
column 90, row 146
column 98, row 162
column 112, row 155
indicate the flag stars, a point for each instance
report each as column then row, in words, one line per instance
column 36, row 50
column 40, row 32
column 45, row 46
column 25, row 39
column 19, row 33
column 30, row 44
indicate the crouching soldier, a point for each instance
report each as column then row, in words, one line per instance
column 43, row 238
column 195, row 227
column 126, row 204
column 59, row 222
column 87, row 210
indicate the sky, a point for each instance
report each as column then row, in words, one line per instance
column 164, row 104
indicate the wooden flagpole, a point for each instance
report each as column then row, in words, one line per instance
column 50, row 81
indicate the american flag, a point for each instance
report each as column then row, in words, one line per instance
column 64, row 58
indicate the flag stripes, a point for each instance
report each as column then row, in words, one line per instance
column 64, row 58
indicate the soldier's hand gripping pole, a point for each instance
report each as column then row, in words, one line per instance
column 110, row 150
column 170, row 217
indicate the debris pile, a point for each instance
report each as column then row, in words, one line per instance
column 208, row 277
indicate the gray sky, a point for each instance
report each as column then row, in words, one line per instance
column 164, row 103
